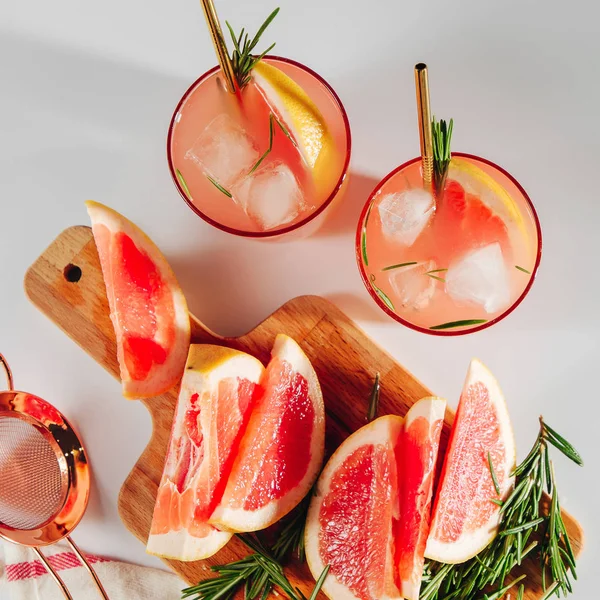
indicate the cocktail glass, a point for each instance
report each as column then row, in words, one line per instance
column 214, row 149
column 451, row 264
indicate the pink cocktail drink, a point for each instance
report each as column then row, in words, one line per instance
column 265, row 161
column 454, row 262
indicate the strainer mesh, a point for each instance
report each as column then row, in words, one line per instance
column 31, row 490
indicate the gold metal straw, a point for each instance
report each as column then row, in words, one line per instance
column 212, row 20
column 424, row 114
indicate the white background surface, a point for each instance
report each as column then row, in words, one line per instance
column 87, row 91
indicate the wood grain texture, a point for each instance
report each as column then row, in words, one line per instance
column 345, row 360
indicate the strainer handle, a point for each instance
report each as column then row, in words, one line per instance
column 87, row 565
column 54, row 574
column 9, row 377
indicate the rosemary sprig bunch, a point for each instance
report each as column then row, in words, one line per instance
column 442, row 136
column 524, row 530
column 242, row 59
column 257, row 573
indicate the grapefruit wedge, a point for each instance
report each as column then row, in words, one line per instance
column 282, row 450
column 147, row 307
column 417, row 461
column 352, row 514
column 217, row 395
column 465, row 519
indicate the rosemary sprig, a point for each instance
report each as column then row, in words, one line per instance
column 521, row 520
column 184, row 185
column 384, row 297
column 399, row 265
column 374, row 400
column 463, row 323
column 219, row 186
column 442, row 136
column 258, row 573
column 268, row 150
column 522, row 269
column 242, row 59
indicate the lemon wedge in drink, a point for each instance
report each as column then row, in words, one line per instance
column 298, row 114
column 476, row 181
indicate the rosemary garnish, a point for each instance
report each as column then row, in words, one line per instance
column 271, row 134
column 186, row 189
column 463, row 323
column 406, row 264
column 523, row 269
column 384, row 297
column 436, row 277
column 258, row 573
column 363, row 237
column 374, row 400
column 219, row 186
column 442, row 136
column 521, row 520
column 242, row 59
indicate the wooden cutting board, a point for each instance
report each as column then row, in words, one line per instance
column 66, row 284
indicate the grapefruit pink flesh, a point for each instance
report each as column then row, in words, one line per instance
column 417, row 459
column 217, row 395
column 282, row 450
column 465, row 519
column 353, row 513
column 147, row 307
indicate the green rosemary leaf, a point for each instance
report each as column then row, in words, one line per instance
column 502, row 591
column 463, row 323
column 319, row 583
column 363, row 245
column 521, row 592
column 493, row 474
column 405, row 264
column 560, row 443
column 219, row 187
column 523, row 527
column 436, row 271
column 184, row 185
column 262, row 29
column 374, row 400
column 384, row 297
column 285, row 130
column 259, row 161
column 522, row 269
column 436, row 277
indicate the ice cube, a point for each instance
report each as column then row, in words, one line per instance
column 412, row 286
column 224, row 151
column 480, row 277
column 270, row 196
column 404, row 215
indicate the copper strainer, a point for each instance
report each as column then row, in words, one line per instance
column 44, row 476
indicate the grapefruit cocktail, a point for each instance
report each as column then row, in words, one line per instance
column 267, row 159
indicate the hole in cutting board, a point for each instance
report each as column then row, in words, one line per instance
column 72, row 273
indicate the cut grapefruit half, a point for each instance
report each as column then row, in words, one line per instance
column 417, row 459
column 218, row 392
column 282, row 450
column 147, row 307
column 465, row 518
column 351, row 516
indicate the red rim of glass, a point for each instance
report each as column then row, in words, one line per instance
column 445, row 333
column 289, row 228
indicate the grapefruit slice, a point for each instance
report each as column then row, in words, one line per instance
column 282, row 450
column 417, row 462
column 147, row 307
column 350, row 519
column 217, row 394
column 465, row 520
column 300, row 115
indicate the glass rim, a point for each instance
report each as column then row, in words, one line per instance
column 440, row 332
column 277, row 232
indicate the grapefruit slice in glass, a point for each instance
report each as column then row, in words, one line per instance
column 352, row 514
column 147, row 307
column 465, row 519
column 218, row 391
column 282, row 450
column 417, row 459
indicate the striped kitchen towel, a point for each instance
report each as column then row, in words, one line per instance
column 24, row 577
